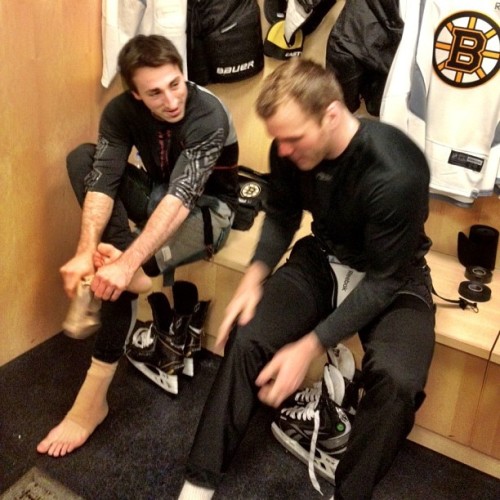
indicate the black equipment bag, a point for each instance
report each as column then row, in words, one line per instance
column 252, row 196
column 224, row 41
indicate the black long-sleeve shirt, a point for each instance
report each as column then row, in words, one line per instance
column 196, row 155
column 368, row 208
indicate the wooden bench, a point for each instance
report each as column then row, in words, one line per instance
column 461, row 415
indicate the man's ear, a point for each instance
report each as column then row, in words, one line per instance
column 333, row 108
column 332, row 112
column 136, row 95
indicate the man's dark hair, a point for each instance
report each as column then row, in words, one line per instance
column 142, row 51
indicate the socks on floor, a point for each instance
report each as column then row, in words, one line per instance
column 192, row 492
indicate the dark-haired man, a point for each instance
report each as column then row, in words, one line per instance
column 182, row 201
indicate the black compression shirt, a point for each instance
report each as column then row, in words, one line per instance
column 198, row 154
column 368, row 207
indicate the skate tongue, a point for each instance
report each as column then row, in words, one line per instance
column 162, row 312
column 185, row 297
column 333, row 384
column 342, row 358
column 199, row 314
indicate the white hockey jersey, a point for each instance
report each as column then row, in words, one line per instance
column 123, row 19
column 443, row 90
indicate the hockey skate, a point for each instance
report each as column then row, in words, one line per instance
column 157, row 348
column 316, row 434
column 338, row 374
column 316, row 429
column 341, row 357
column 195, row 334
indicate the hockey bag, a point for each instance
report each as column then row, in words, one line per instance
column 252, row 195
column 224, row 41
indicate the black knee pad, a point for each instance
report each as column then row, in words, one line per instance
column 78, row 164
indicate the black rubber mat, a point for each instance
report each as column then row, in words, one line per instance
column 36, row 484
column 140, row 451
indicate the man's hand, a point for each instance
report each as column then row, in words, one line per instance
column 112, row 279
column 79, row 267
column 107, row 254
column 241, row 309
column 285, row 372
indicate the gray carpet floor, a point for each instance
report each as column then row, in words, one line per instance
column 140, row 450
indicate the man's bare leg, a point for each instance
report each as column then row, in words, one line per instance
column 88, row 411
column 90, row 407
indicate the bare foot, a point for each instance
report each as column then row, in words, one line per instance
column 68, row 435
column 107, row 253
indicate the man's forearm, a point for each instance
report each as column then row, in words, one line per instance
column 96, row 212
column 256, row 273
column 161, row 226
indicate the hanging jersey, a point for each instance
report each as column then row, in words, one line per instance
column 453, row 99
column 121, row 21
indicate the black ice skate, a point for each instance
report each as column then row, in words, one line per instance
column 316, row 432
column 157, row 348
column 195, row 334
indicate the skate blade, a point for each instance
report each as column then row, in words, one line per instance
column 188, row 369
column 169, row 383
column 324, row 464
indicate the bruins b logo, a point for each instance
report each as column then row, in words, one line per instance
column 467, row 49
column 250, row 190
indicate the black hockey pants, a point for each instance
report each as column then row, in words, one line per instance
column 398, row 350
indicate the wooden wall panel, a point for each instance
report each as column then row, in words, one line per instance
column 50, row 54
column 50, row 101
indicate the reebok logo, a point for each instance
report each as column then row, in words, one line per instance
column 345, row 285
column 230, row 70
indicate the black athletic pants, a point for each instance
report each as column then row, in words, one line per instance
column 136, row 199
column 398, row 351
column 116, row 317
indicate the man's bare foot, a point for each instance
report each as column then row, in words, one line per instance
column 67, row 436
column 88, row 411
column 107, row 253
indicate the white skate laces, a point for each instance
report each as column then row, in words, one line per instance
column 143, row 338
column 307, row 413
column 316, row 426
